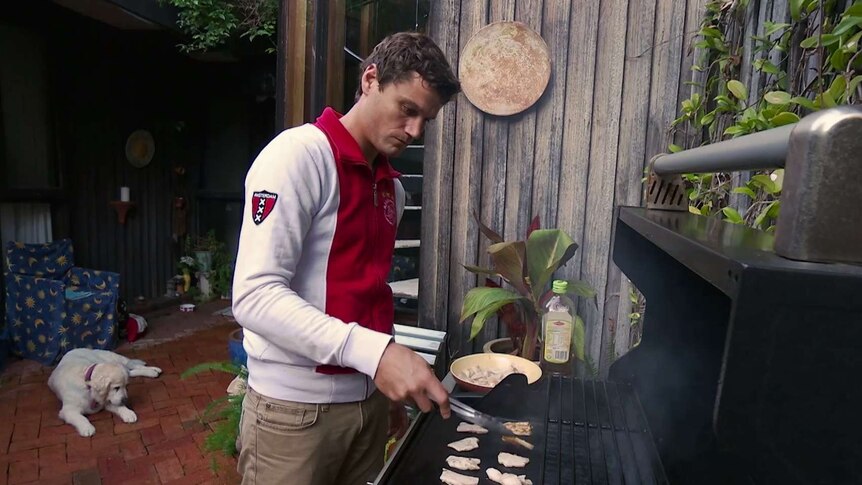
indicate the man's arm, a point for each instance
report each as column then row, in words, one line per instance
column 285, row 188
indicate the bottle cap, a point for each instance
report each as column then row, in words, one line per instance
column 560, row 286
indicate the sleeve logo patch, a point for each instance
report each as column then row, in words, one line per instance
column 262, row 204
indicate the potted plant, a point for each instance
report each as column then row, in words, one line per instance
column 221, row 275
column 222, row 415
column 204, row 247
column 527, row 266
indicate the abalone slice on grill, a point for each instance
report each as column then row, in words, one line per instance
column 509, row 460
column 466, row 444
column 520, row 428
column 507, row 478
column 463, row 463
column 518, row 441
column 471, row 428
column 451, row 478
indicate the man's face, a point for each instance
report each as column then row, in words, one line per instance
column 396, row 114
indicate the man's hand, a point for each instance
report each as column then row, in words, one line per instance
column 398, row 421
column 402, row 374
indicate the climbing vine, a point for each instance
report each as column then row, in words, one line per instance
column 797, row 67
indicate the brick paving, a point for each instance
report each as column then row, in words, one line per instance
column 164, row 446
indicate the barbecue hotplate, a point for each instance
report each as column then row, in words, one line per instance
column 583, row 432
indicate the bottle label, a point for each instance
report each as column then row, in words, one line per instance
column 558, row 342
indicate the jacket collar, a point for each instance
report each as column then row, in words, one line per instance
column 344, row 146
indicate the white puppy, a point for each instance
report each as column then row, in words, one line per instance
column 88, row 380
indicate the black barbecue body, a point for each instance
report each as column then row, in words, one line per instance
column 747, row 373
column 749, row 365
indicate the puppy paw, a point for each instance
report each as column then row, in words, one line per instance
column 152, row 371
column 86, row 430
column 127, row 415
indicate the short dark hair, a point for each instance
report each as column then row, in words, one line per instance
column 399, row 55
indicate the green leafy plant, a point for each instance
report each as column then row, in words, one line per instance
column 782, row 54
column 527, row 266
column 210, row 24
column 222, row 415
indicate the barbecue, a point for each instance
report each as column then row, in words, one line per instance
column 748, row 368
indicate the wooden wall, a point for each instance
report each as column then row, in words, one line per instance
column 618, row 72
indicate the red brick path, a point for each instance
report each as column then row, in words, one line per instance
column 164, row 446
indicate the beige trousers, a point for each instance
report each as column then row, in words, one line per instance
column 285, row 443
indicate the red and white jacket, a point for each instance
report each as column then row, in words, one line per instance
column 315, row 248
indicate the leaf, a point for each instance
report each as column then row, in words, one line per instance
column 838, row 60
column 852, row 44
column 847, row 22
column 581, row 288
column 547, row 250
column 730, row 214
column 836, row 90
column 772, row 27
column 482, row 316
column 737, row 89
column 578, row 337
column 777, row 177
column 805, row 102
column 674, row 148
column 694, row 210
column 508, row 258
column 711, row 32
column 817, row 40
column 766, row 183
column 854, row 83
column 745, row 190
column 479, row 298
column 734, row 130
column 795, row 9
column 478, row 270
column 766, row 66
column 825, row 100
column 777, row 97
column 761, row 218
column 784, row 118
column 708, row 118
column 487, row 231
column 854, row 10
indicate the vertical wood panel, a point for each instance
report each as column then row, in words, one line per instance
column 519, row 155
column 469, row 145
column 549, row 116
column 603, row 164
column 437, row 182
column 335, row 55
column 577, row 124
column 631, row 159
column 493, row 172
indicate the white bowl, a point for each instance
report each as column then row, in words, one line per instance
column 492, row 361
column 187, row 307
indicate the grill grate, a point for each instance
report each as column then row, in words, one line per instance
column 597, row 434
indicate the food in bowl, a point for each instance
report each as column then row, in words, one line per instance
column 488, row 377
column 482, row 372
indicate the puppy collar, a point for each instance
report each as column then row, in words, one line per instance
column 88, row 374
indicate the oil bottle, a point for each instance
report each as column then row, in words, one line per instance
column 558, row 321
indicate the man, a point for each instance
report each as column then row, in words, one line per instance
column 322, row 208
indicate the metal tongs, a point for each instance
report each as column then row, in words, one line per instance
column 471, row 415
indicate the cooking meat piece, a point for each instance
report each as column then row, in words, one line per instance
column 517, row 441
column 471, row 428
column 520, row 428
column 466, row 444
column 451, row 478
column 507, row 478
column 463, row 463
column 487, row 377
column 509, row 460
